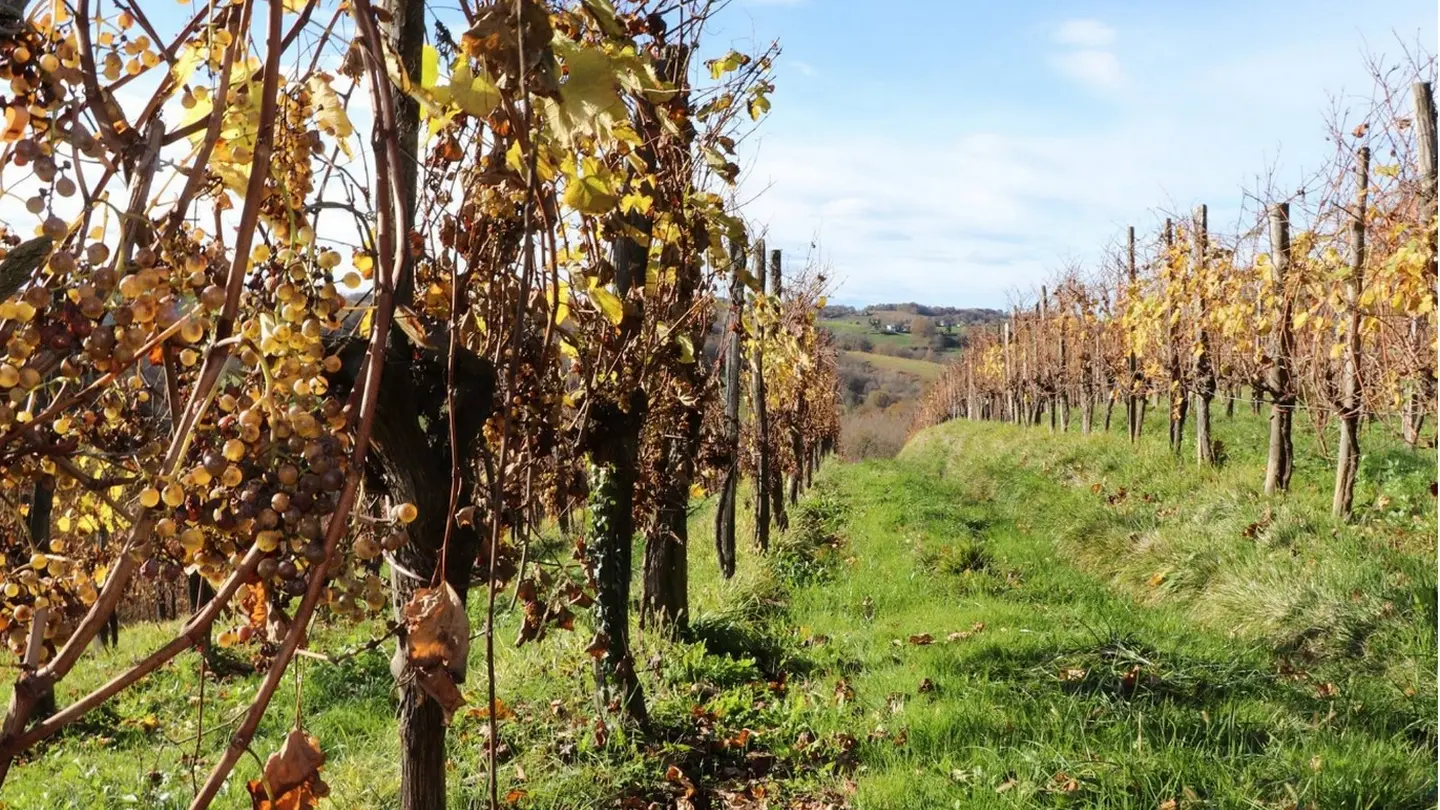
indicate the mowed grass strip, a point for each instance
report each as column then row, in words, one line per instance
column 1015, row 635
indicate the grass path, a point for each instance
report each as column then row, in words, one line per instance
column 998, row 618
column 1060, row 689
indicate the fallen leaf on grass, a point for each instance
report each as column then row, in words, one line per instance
column 502, row 711
column 675, row 776
column 922, row 639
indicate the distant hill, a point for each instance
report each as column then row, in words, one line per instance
column 889, row 353
column 964, row 316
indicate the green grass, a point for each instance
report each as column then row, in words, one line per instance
column 1188, row 641
column 924, row 369
column 1294, row 668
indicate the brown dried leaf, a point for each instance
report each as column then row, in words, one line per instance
column 598, row 645
column 438, row 630
column 465, row 517
column 502, row 711
column 438, row 684
column 290, row 774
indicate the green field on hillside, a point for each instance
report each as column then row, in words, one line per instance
column 997, row 618
column 924, row 369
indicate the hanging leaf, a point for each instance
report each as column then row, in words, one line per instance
column 17, row 119
column 609, row 304
column 429, row 66
column 687, row 348
column 476, row 95
column 589, row 195
column 730, row 62
column 291, row 777
column 437, row 629
column 186, row 63
column 330, row 115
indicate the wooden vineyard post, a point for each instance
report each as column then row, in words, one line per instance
column 1281, row 459
column 1422, row 388
column 1063, row 371
column 1257, row 383
column 1179, row 398
column 1011, row 410
column 777, row 473
column 1043, row 372
column 1022, row 382
column 1348, row 460
column 1036, row 369
column 725, row 510
column 1132, row 363
column 1094, row 379
column 760, row 418
column 972, row 412
column 1204, row 363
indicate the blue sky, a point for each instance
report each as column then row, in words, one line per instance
column 956, row 152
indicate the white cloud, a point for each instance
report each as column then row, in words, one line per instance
column 804, row 68
column 1090, row 34
column 1086, row 55
column 1095, row 69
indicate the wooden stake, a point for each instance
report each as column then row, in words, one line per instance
column 1281, row 459
column 1348, row 461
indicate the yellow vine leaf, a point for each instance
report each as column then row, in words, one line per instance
column 429, row 66
column 185, row 65
column 560, row 302
column 609, row 303
column 330, row 114
column 730, row 62
column 476, row 95
column 687, row 348
column 589, row 102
